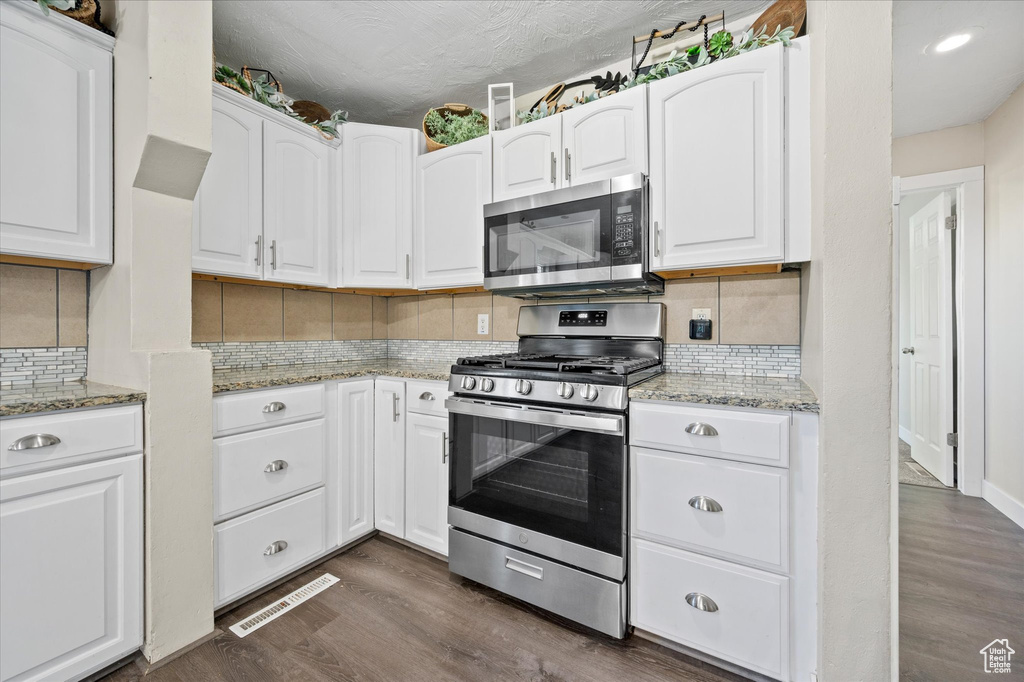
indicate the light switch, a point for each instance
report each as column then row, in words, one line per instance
column 483, row 323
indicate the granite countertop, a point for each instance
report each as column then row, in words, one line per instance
column 764, row 393
column 261, row 377
column 52, row 397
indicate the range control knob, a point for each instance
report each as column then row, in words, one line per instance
column 523, row 386
column 565, row 390
column 468, row 383
column 486, row 385
column 589, row 393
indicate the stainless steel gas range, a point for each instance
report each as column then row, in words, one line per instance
column 538, row 469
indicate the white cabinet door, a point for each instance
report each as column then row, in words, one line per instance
column 377, row 205
column 426, row 482
column 56, row 159
column 355, row 440
column 296, row 206
column 452, row 186
column 606, row 138
column 725, row 208
column 70, row 569
column 389, row 456
column 527, row 158
column 227, row 216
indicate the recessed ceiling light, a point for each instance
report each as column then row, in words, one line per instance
column 952, row 42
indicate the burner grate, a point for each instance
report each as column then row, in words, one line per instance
column 576, row 364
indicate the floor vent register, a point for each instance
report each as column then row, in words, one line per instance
column 283, row 605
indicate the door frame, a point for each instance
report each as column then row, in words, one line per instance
column 969, row 278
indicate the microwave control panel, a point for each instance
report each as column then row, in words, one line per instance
column 627, row 221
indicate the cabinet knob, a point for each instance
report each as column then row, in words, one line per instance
column 280, row 465
column 275, row 547
column 33, row 441
column 704, row 503
column 701, row 602
column 275, row 406
column 701, row 429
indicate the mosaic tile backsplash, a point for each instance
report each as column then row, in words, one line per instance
column 38, row 366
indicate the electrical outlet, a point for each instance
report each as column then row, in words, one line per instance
column 701, row 314
column 483, row 323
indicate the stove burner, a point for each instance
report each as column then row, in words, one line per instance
column 577, row 364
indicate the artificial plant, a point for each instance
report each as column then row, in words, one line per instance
column 449, row 128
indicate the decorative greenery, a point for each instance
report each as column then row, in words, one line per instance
column 261, row 90
column 62, row 5
column 720, row 43
column 543, row 110
column 449, row 128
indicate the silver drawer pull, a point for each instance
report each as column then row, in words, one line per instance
column 701, row 429
column 275, row 547
column 36, row 440
column 426, row 395
column 704, row 503
column 275, row 406
column 524, row 568
column 701, row 602
column 280, row 464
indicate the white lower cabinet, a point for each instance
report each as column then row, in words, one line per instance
column 389, row 456
column 723, row 553
column 70, row 559
column 426, row 482
column 355, row 454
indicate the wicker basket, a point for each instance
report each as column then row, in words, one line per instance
column 311, row 112
column 456, row 109
column 88, row 13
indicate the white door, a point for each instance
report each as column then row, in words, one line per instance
column 56, row 163
column 296, row 206
column 527, row 158
column 70, row 569
column 227, row 216
column 931, row 403
column 426, row 482
column 355, row 439
column 452, row 186
column 389, row 456
column 377, row 205
column 717, row 163
column 606, row 138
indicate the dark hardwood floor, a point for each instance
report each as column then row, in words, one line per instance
column 398, row 614
column 961, row 585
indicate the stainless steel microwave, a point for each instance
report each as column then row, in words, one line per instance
column 588, row 240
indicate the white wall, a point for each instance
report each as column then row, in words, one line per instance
column 939, row 150
column 140, row 307
column 848, row 313
column 1004, row 307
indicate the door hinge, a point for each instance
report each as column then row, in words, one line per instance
column 952, row 439
column 951, row 222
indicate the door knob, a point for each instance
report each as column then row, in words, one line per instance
column 907, row 351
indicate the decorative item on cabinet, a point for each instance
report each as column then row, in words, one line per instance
column 451, row 124
column 784, row 13
column 500, row 106
column 83, row 11
column 690, row 26
column 548, row 104
column 310, row 111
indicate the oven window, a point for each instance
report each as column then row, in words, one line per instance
column 557, row 481
column 569, row 236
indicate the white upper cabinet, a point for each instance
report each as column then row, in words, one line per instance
column 56, row 195
column 296, row 206
column 717, row 172
column 227, row 219
column 528, row 158
column 426, row 482
column 605, row 138
column 452, row 186
column 376, row 241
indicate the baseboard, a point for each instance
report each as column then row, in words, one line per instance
column 905, row 434
column 700, row 657
column 1011, row 508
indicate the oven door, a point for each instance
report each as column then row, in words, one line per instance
column 543, row 480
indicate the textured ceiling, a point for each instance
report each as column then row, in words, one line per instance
column 934, row 91
column 388, row 62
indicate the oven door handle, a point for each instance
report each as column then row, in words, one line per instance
column 595, row 422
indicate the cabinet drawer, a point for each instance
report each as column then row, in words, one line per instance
column 427, row 397
column 750, row 626
column 254, row 469
column 239, row 412
column 758, row 437
column 245, row 547
column 675, row 497
column 83, row 435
